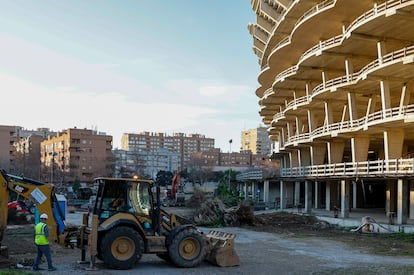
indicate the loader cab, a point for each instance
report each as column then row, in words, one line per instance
column 123, row 196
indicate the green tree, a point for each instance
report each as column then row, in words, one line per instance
column 76, row 185
column 226, row 190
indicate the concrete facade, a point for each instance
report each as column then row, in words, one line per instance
column 8, row 136
column 184, row 144
column 76, row 153
column 335, row 85
column 256, row 140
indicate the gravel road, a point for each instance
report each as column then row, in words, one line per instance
column 259, row 252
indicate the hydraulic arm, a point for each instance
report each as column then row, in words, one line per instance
column 42, row 194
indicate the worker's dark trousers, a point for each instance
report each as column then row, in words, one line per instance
column 43, row 250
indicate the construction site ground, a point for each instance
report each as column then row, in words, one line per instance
column 277, row 243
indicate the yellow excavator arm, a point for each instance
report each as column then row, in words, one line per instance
column 37, row 192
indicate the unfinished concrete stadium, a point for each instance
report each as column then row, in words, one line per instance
column 335, row 85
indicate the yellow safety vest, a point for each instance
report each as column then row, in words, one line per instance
column 40, row 238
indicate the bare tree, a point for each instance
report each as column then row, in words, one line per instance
column 197, row 171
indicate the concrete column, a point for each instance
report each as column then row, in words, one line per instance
column 335, row 152
column 405, row 96
column 328, row 196
column 411, row 200
column 349, row 69
column 359, row 148
column 245, row 190
column 317, row 203
column 283, row 137
column 266, row 191
column 282, row 195
column 372, row 102
column 307, row 89
column 352, row 104
column 297, row 193
column 253, row 191
column 390, row 194
column 311, row 121
column 402, row 196
column 381, row 50
column 308, row 197
column 298, row 126
column 387, row 199
column 345, row 114
column 385, row 96
column 354, row 194
column 328, row 113
column 345, row 186
column 323, row 79
column 393, row 143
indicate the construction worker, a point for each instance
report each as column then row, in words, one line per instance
column 42, row 243
column 118, row 203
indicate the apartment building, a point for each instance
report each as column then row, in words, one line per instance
column 20, row 149
column 256, row 140
column 184, row 144
column 76, row 154
column 145, row 164
column 8, row 136
column 335, row 86
column 242, row 159
column 27, row 155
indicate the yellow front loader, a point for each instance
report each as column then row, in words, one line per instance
column 127, row 221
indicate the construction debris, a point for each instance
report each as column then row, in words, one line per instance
column 213, row 212
column 370, row 225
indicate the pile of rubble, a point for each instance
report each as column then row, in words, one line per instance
column 213, row 212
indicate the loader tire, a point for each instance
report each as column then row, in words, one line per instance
column 121, row 248
column 187, row 248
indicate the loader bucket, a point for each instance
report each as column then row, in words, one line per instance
column 221, row 249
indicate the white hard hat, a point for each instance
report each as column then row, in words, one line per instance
column 44, row 216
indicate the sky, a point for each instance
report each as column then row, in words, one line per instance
column 181, row 66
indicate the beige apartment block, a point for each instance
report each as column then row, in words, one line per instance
column 256, row 140
column 335, row 85
column 76, row 153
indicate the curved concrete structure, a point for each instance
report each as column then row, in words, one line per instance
column 335, row 85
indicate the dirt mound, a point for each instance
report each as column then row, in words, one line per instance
column 288, row 223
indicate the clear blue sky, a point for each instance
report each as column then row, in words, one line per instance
column 130, row 66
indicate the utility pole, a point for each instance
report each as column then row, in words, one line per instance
column 230, row 142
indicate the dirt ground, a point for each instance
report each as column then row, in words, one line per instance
column 298, row 226
column 19, row 239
